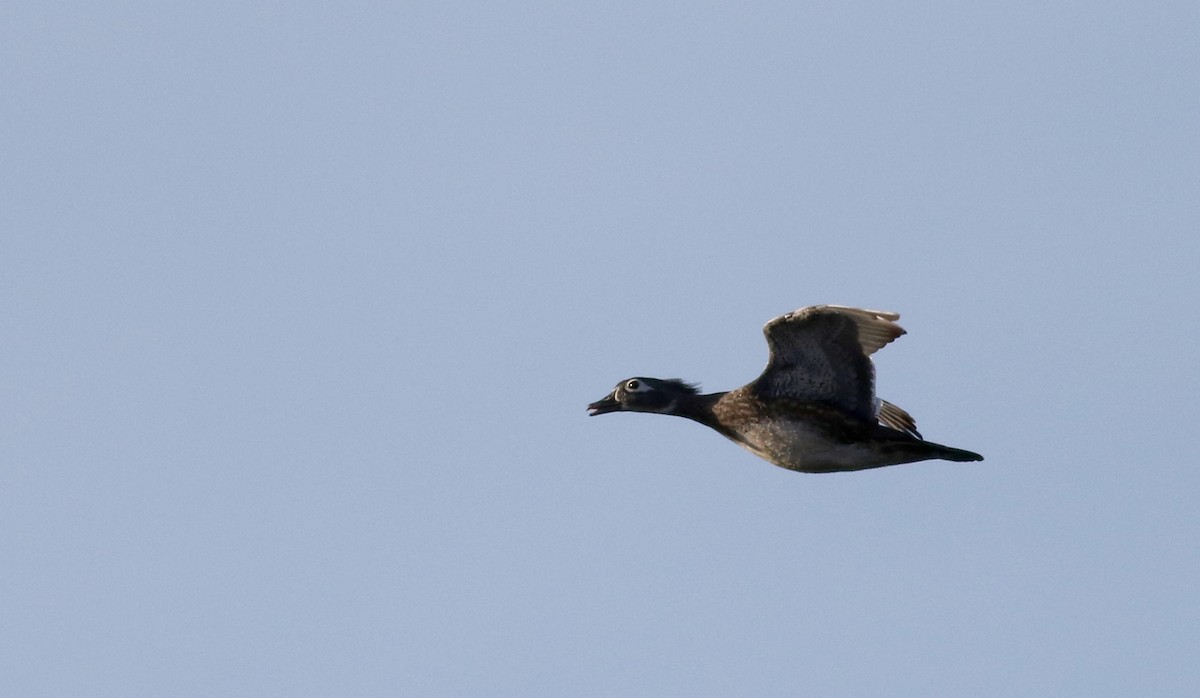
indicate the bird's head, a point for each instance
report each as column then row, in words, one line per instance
column 643, row 395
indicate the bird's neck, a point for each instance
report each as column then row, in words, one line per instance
column 697, row 407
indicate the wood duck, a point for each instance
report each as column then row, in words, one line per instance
column 813, row 409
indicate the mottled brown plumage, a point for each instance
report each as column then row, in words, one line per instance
column 813, row 409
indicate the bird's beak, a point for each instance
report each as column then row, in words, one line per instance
column 604, row 405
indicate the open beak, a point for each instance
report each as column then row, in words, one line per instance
column 603, row 406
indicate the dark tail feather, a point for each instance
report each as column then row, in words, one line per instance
column 950, row 453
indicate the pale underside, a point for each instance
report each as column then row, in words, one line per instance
column 797, row 445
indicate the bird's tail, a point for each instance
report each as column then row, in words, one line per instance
column 950, row 453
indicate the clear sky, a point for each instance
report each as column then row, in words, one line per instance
column 302, row 304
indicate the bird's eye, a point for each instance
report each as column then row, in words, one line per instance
column 633, row 385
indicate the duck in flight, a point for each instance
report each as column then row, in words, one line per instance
column 813, row 409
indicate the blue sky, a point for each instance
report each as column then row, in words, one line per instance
column 303, row 304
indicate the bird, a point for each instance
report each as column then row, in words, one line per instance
column 813, row 409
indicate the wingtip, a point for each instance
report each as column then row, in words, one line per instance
column 881, row 314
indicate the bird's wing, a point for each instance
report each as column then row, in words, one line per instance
column 893, row 416
column 822, row 354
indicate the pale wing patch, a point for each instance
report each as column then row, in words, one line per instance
column 893, row 416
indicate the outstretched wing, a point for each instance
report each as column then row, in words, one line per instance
column 822, row 354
